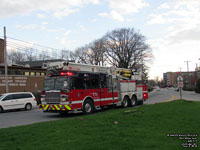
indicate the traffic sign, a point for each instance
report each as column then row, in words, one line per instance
column 179, row 78
column 180, row 84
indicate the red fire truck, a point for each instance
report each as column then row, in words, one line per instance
column 80, row 87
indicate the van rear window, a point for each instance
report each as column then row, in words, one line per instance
column 20, row 96
column 1, row 95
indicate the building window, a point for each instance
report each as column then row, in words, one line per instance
column 19, row 73
column 37, row 73
column 32, row 73
column 2, row 72
column 26, row 73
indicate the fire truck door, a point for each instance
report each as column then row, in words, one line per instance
column 103, row 90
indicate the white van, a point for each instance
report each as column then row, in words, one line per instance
column 17, row 100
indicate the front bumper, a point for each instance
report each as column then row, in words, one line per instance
column 54, row 107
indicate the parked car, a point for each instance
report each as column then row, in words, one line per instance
column 176, row 89
column 158, row 89
column 17, row 100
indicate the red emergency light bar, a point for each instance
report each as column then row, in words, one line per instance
column 66, row 74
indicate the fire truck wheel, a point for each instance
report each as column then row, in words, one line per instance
column 133, row 101
column 140, row 102
column 63, row 113
column 88, row 107
column 28, row 107
column 125, row 102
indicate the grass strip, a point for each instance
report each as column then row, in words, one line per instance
column 140, row 128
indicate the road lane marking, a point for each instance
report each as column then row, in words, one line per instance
column 168, row 100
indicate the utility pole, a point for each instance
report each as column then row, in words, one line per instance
column 196, row 73
column 187, row 70
column 180, row 70
column 187, row 65
column 5, row 60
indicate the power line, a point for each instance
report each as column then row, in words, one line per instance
column 35, row 49
column 26, row 46
column 23, row 47
column 34, row 44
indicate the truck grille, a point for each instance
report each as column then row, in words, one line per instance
column 52, row 97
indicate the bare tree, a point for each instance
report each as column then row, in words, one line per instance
column 29, row 53
column 96, row 52
column 92, row 53
column 15, row 57
column 126, row 48
column 43, row 55
column 65, row 55
column 80, row 55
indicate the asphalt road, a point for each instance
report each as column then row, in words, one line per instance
column 22, row 117
column 165, row 95
column 158, row 96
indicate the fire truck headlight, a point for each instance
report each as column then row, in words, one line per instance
column 64, row 98
column 42, row 98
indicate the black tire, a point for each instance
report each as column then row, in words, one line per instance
column 28, row 106
column 133, row 101
column 63, row 113
column 1, row 109
column 125, row 102
column 140, row 102
column 88, row 107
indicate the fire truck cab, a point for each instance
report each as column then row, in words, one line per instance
column 80, row 87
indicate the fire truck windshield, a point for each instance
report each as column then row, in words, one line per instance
column 60, row 83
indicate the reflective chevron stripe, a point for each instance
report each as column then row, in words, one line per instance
column 47, row 107
column 68, row 108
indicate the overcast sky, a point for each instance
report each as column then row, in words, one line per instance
column 172, row 27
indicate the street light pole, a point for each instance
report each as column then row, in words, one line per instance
column 5, row 60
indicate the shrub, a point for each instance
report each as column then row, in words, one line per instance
column 197, row 89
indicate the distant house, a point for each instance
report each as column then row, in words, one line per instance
column 38, row 64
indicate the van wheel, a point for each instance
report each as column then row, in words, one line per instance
column 133, row 101
column 28, row 107
column 88, row 107
column 125, row 102
column 1, row 109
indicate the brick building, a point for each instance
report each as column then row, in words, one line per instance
column 20, row 78
column 1, row 51
column 189, row 78
column 169, row 78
